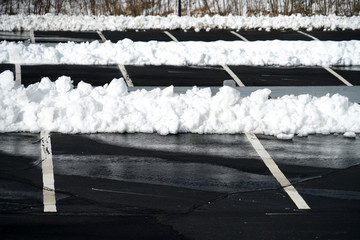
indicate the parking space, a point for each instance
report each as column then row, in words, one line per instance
column 177, row 75
column 285, row 76
column 339, row 35
column 58, row 36
column 20, row 173
column 285, row 35
column 155, row 173
column 351, row 73
column 137, row 35
column 15, row 36
column 4, row 67
column 203, row 35
column 96, row 75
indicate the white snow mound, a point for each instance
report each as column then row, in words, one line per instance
column 282, row 53
column 50, row 22
column 60, row 107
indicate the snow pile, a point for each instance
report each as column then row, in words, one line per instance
column 50, row 22
column 284, row 53
column 59, row 107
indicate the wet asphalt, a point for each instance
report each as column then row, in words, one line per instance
column 185, row 186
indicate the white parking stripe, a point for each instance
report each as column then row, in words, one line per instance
column 120, row 66
column 49, row 199
column 101, row 36
column 226, row 68
column 171, row 36
column 308, row 35
column 17, row 72
column 338, row 76
column 276, row 172
column 239, row 36
column 346, row 82
column 233, row 75
column 32, row 36
column 125, row 75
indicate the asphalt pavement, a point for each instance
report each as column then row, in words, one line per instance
column 187, row 75
column 184, row 186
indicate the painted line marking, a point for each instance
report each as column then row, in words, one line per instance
column 233, row 75
column 18, row 72
column 308, row 35
column 126, row 75
column 103, row 38
column 120, row 66
column 338, row 76
column 171, row 36
column 239, row 36
column 49, row 199
column 32, row 36
column 276, row 172
column 346, row 82
column 226, row 68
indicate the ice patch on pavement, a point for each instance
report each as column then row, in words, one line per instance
column 60, row 107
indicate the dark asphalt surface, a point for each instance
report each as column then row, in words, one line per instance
column 254, row 35
column 56, row 37
column 205, row 36
column 286, row 76
column 185, row 186
column 187, row 75
column 137, row 35
column 177, row 75
column 345, row 35
column 181, row 35
column 98, row 75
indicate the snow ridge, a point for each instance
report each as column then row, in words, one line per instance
column 59, row 107
column 127, row 52
column 50, row 22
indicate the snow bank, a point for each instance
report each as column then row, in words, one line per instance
column 50, row 22
column 59, row 107
column 276, row 52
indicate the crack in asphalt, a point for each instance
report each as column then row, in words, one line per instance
column 226, row 195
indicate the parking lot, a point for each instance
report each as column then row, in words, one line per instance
column 184, row 186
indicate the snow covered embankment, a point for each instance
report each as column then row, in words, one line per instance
column 51, row 22
column 59, row 107
column 283, row 53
